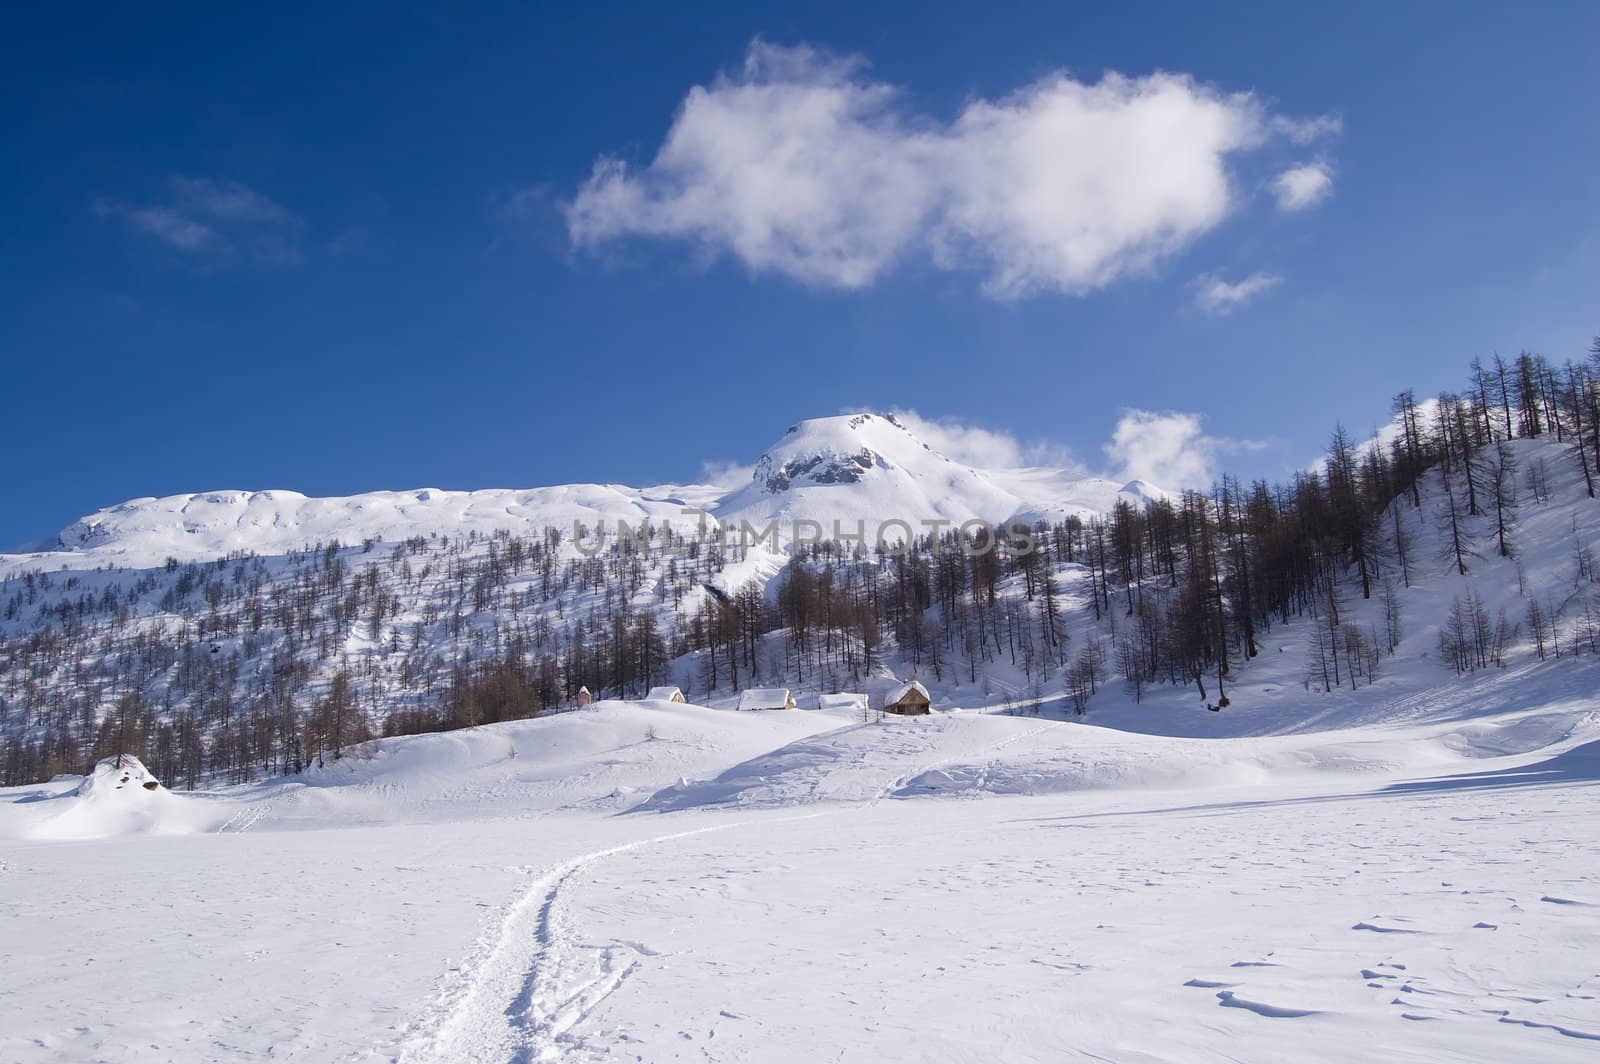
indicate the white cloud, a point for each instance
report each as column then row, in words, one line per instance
column 1169, row 449
column 1303, row 186
column 800, row 164
column 215, row 220
column 1218, row 298
column 726, row 475
column 1308, row 130
column 980, row 447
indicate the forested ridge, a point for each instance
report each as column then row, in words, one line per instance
column 243, row 666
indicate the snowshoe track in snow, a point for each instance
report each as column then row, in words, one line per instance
column 533, row 981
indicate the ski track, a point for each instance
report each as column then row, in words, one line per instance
column 534, row 980
column 244, row 819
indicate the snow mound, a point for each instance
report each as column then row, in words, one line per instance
column 861, row 762
column 975, row 754
column 607, row 756
column 1078, row 757
column 119, row 797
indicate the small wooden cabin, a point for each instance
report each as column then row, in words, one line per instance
column 664, row 694
column 909, row 699
column 767, row 698
column 850, row 700
column 584, row 697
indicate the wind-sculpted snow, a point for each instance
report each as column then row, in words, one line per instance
column 977, row 754
column 857, row 763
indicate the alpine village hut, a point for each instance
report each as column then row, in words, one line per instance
column 909, row 699
column 584, row 697
column 766, row 698
column 664, row 694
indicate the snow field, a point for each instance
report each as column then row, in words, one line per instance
column 798, row 885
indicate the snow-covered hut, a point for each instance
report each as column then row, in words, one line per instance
column 584, row 697
column 908, row 699
column 766, row 698
column 851, row 700
column 664, row 694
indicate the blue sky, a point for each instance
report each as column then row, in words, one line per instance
column 283, row 248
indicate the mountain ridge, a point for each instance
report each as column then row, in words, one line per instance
column 866, row 467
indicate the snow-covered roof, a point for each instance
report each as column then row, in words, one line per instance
column 662, row 694
column 842, row 700
column 765, row 698
column 899, row 691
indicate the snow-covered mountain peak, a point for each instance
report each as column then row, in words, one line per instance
column 839, row 450
column 867, row 468
column 854, row 470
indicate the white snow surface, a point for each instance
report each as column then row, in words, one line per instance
column 215, row 523
column 1415, row 879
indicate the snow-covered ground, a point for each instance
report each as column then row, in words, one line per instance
column 651, row 881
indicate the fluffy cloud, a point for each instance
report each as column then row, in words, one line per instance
column 802, row 165
column 1169, row 449
column 1217, row 298
column 982, row 448
column 725, row 474
column 1303, row 186
column 215, row 220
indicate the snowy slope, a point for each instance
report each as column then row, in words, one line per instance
column 608, row 756
column 1053, row 495
column 144, row 532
